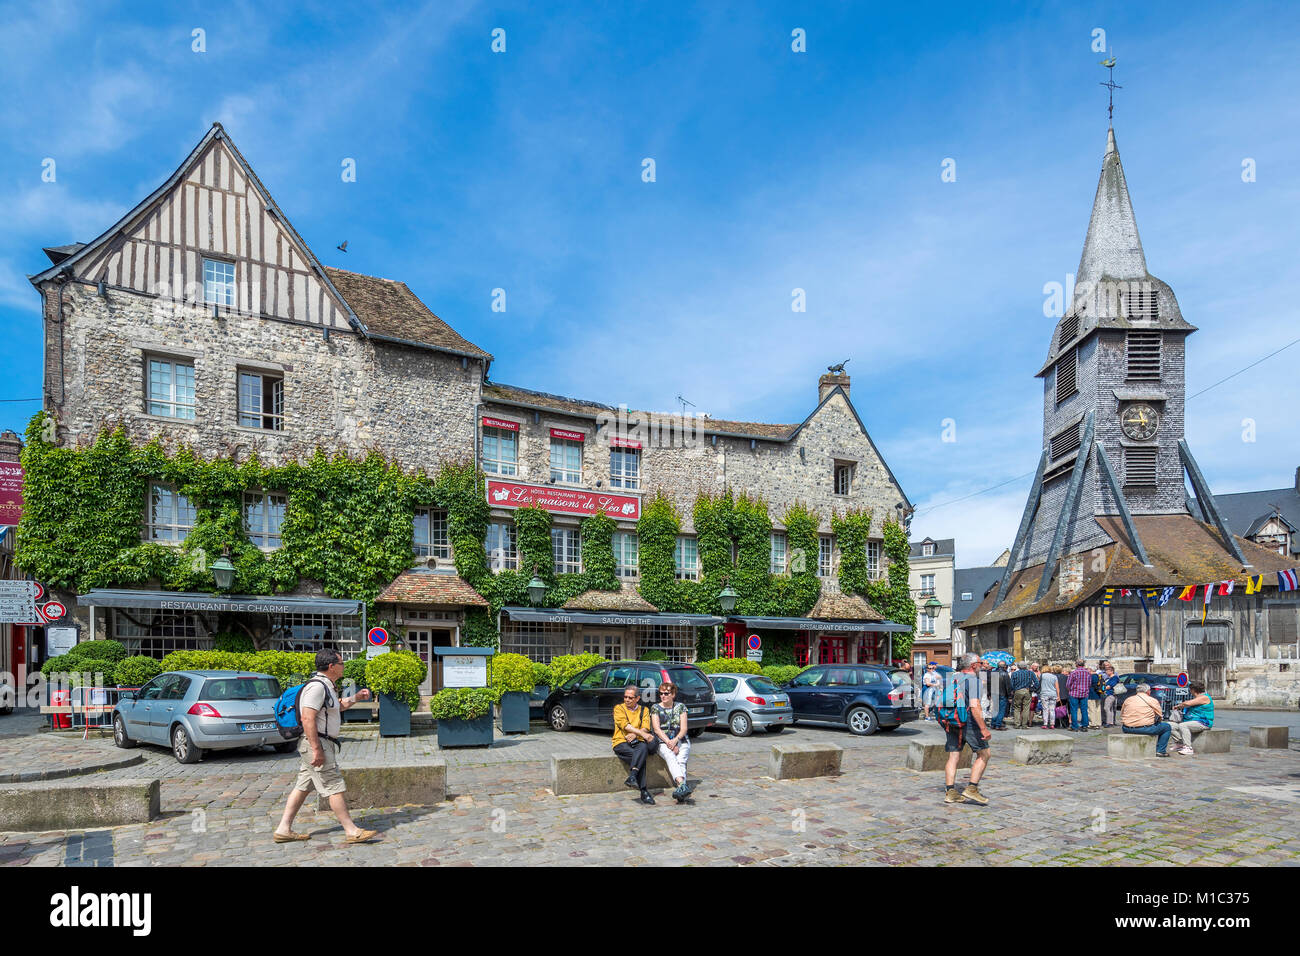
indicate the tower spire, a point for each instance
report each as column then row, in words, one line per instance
column 1112, row 248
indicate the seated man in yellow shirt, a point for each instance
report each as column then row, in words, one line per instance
column 634, row 739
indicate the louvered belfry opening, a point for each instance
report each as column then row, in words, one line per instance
column 1140, row 467
column 1069, row 330
column 1143, row 350
column 1139, row 302
column 1066, row 441
column 1066, row 375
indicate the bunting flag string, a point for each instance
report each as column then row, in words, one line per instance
column 1254, row 584
column 1165, row 595
column 1160, row 596
column 1143, row 599
column 1187, row 593
column 1288, row 580
column 1108, row 597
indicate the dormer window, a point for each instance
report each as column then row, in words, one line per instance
column 927, row 549
column 1140, row 302
column 843, row 478
column 1069, row 330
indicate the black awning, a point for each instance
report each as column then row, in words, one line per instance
column 812, row 624
column 559, row 615
column 191, row 601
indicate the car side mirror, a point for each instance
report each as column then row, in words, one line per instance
column 126, row 695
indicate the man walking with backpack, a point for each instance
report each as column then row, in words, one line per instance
column 962, row 719
column 320, row 709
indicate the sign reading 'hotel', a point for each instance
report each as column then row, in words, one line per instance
column 571, row 501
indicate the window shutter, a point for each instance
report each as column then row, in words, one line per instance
column 1066, row 374
column 1140, row 467
column 1144, row 356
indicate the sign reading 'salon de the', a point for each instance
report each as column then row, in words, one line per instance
column 572, row 501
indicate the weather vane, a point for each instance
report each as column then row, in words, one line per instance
column 1111, row 87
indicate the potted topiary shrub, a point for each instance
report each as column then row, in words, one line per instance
column 354, row 676
column 512, row 681
column 543, row 681
column 464, row 716
column 396, row 677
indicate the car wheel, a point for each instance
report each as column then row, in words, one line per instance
column 120, row 736
column 741, row 725
column 694, row 733
column 862, row 721
column 183, row 748
column 559, row 718
column 775, row 729
column 287, row 747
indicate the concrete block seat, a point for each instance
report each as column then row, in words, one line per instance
column 1131, row 746
column 423, row 785
column 931, row 756
column 797, row 761
column 1216, row 740
column 1043, row 748
column 595, row 774
column 54, row 807
column 1269, row 738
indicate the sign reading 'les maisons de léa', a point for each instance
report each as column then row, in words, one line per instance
column 572, row 501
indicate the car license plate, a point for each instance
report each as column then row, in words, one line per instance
column 256, row 728
column 778, row 703
column 695, row 710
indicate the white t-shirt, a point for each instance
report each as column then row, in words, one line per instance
column 329, row 716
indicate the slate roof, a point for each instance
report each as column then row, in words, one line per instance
column 976, row 581
column 580, row 408
column 390, row 310
column 837, row 606
column 624, row 599
column 1182, row 551
column 1246, row 511
column 943, row 547
column 430, row 587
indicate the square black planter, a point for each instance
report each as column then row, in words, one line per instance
column 513, row 712
column 394, row 717
column 466, row 733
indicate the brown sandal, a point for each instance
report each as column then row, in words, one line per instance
column 362, row 836
column 291, row 837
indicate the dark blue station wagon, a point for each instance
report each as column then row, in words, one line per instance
column 863, row 697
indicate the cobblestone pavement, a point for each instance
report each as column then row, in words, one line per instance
column 1241, row 808
column 51, row 756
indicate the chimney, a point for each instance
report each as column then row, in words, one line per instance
column 11, row 446
column 826, row 384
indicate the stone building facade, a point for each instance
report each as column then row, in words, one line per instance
column 202, row 318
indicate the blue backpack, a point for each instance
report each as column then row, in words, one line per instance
column 288, row 712
column 953, row 709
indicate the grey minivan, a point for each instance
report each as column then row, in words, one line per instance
column 746, row 701
column 195, row 711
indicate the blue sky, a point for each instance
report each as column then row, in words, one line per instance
column 775, row 170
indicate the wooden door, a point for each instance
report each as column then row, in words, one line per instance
column 1207, row 654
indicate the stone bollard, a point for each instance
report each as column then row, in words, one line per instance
column 1130, row 746
column 796, row 761
column 1269, row 738
column 922, row 756
column 1043, row 748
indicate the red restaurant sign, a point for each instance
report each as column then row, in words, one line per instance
column 616, row 442
column 11, row 492
column 500, row 423
column 569, row 501
column 565, row 433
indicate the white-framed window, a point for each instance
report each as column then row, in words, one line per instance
column 316, row 632
column 778, row 552
column 263, row 516
column 431, row 538
column 261, row 400
column 825, row 556
column 566, row 461
column 157, row 633
column 608, row 646
column 927, row 549
column 927, row 584
column 843, row 478
column 502, row 551
column 686, row 559
column 218, row 282
column 966, row 595
column 566, row 543
column 171, row 388
column 926, row 622
column 171, row 516
column 873, row 560
column 537, row 640
column 500, row 451
column 625, row 468
column 678, row 643
column 626, row 554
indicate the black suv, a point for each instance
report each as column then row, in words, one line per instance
column 588, row 699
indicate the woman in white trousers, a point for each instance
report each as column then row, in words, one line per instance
column 669, row 719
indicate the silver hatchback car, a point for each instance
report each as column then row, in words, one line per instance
column 746, row 701
column 195, row 711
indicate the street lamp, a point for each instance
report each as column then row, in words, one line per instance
column 536, row 589
column 727, row 597
column 933, row 607
column 223, row 572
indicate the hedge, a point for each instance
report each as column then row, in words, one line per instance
column 287, row 667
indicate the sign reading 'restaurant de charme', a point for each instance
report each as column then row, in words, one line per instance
column 571, row 501
column 11, row 492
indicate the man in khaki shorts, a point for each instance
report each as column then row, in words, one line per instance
column 321, row 710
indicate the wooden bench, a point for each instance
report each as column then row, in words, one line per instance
column 570, row 775
column 1043, row 748
column 796, row 761
column 1269, row 738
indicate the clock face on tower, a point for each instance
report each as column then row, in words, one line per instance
column 1140, row 422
